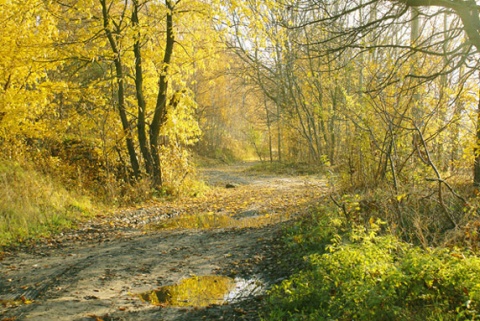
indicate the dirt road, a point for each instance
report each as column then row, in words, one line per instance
column 109, row 268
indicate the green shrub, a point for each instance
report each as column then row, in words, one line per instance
column 364, row 276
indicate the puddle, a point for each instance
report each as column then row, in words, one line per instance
column 203, row 291
column 209, row 221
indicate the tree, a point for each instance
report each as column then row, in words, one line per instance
column 112, row 36
column 304, row 106
column 107, row 75
column 140, row 33
column 25, row 32
column 364, row 33
column 468, row 12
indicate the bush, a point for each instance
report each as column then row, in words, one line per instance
column 361, row 275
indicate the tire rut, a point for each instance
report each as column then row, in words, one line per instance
column 32, row 293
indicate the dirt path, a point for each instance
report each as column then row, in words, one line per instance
column 98, row 271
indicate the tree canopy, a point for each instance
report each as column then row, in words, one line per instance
column 126, row 90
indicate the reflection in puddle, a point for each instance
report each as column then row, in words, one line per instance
column 202, row 291
column 244, row 289
column 210, row 220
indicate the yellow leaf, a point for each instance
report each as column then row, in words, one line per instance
column 401, row 197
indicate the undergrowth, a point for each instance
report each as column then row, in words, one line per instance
column 34, row 205
column 426, row 215
column 353, row 271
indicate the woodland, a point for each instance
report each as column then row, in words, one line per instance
column 112, row 103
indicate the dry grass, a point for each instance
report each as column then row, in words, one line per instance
column 33, row 205
column 427, row 215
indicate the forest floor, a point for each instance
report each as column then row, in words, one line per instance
column 221, row 249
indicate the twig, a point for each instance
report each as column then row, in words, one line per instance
column 432, row 179
column 342, row 207
column 438, row 179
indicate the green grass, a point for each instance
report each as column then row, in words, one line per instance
column 33, row 205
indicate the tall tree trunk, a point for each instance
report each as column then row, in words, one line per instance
column 142, row 106
column 279, row 133
column 476, row 167
column 414, row 39
column 160, row 114
column 269, row 128
column 416, row 101
column 135, row 167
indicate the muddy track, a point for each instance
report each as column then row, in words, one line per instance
column 97, row 271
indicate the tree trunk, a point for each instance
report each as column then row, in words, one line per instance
column 135, row 167
column 142, row 106
column 476, row 167
column 269, row 128
column 279, row 133
column 160, row 114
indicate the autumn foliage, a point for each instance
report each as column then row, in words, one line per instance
column 115, row 103
column 112, row 98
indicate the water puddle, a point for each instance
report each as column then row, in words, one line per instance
column 203, row 291
column 210, row 220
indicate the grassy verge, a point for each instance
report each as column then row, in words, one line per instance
column 363, row 272
column 33, row 205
